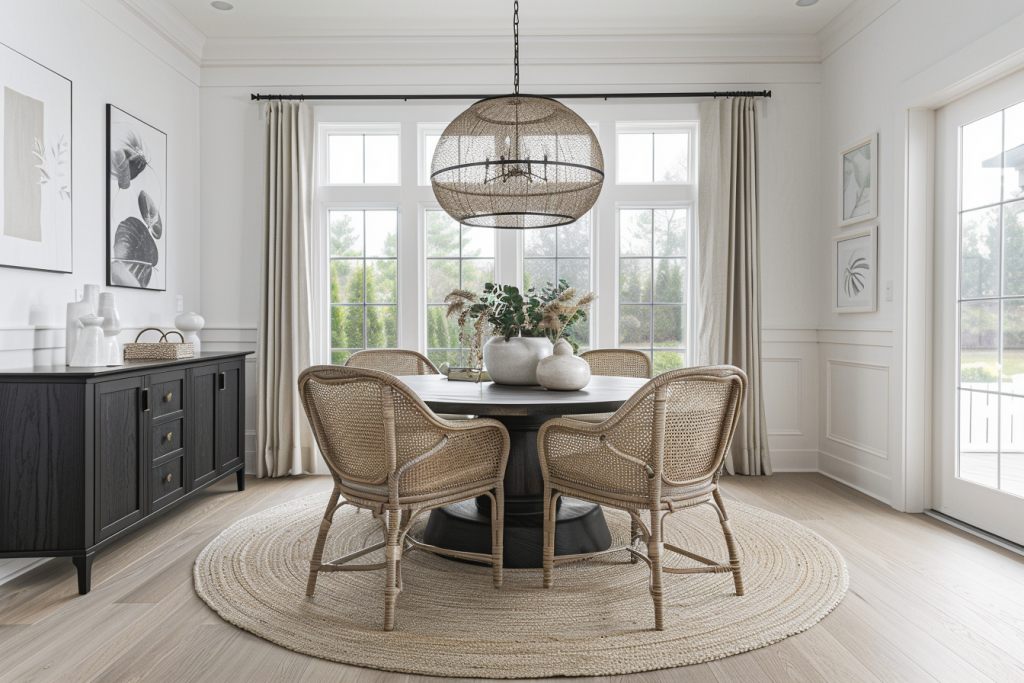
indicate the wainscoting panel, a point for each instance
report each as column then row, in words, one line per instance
column 857, row 406
column 783, row 395
column 789, row 365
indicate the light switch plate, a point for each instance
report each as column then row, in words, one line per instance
column 888, row 290
column 181, row 303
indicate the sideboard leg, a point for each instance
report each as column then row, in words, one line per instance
column 84, row 565
column 240, row 475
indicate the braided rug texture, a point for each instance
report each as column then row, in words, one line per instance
column 598, row 619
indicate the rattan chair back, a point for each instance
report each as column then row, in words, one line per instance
column 396, row 362
column 618, row 363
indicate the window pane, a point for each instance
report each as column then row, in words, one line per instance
column 635, row 326
column 429, row 145
column 442, row 278
column 667, row 360
column 539, row 242
column 442, row 333
column 671, row 157
column 978, row 442
column 1013, row 246
column 476, row 273
column 346, row 233
column 382, row 281
column 636, row 157
column 382, row 233
column 339, row 357
column 1013, row 346
column 477, row 242
column 337, row 324
column 982, row 162
column 979, row 335
column 670, row 280
column 381, row 158
column 575, row 271
column 347, row 281
column 669, row 324
column 635, row 232
column 538, row 272
column 442, row 234
column 574, row 239
column 1013, row 161
column 670, row 232
column 635, row 280
column 979, row 253
column 381, row 327
column 580, row 333
column 351, row 327
column 450, row 357
column 345, row 158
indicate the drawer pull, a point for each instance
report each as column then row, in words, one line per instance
column 168, row 478
column 167, row 398
column 169, row 435
column 223, row 381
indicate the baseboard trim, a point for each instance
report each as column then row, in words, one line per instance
column 975, row 531
column 786, row 460
column 838, row 475
column 18, row 566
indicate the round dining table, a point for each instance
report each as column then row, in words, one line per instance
column 466, row 526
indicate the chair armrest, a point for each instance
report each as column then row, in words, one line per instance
column 597, row 436
column 469, row 451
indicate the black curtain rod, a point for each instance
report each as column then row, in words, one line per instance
column 569, row 96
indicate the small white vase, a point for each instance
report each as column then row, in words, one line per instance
column 189, row 324
column 562, row 371
column 92, row 349
column 515, row 361
column 91, row 293
column 73, row 329
column 111, row 328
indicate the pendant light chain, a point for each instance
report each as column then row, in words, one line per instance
column 515, row 33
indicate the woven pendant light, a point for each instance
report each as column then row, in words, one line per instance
column 517, row 161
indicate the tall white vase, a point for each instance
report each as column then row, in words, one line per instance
column 91, row 293
column 111, row 328
column 190, row 324
column 92, row 349
column 76, row 310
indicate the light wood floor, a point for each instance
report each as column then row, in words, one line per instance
column 926, row 603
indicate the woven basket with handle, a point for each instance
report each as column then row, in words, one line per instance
column 161, row 350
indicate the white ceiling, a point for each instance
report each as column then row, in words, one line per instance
column 271, row 18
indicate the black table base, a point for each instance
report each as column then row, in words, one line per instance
column 466, row 526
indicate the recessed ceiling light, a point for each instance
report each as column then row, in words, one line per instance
column 799, row 3
column 217, row 4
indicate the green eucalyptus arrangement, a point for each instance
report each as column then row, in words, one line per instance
column 505, row 311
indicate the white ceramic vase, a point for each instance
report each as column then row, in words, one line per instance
column 189, row 324
column 91, row 293
column 515, row 361
column 111, row 328
column 76, row 310
column 562, row 371
column 91, row 350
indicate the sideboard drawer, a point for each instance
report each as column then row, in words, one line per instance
column 166, row 397
column 168, row 483
column 167, row 438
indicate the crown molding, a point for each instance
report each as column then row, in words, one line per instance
column 171, row 24
column 856, row 17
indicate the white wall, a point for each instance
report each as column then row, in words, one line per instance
column 910, row 53
column 126, row 64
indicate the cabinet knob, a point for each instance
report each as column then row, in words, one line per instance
column 167, row 398
column 168, row 478
column 169, row 435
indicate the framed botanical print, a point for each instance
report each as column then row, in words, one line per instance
column 854, row 270
column 859, row 201
column 136, row 203
column 35, row 177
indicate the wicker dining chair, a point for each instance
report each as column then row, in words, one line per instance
column 397, row 362
column 614, row 363
column 389, row 453
column 662, row 451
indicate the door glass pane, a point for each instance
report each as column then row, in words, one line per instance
column 1013, row 249
column 1013, row 159
column 982, row 173
column 1013, row 346
column 979, row 455
column 1011, row 445
column 979, row 352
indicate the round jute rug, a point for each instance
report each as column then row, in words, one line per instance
column 598, row 619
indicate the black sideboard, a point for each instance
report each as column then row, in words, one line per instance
column 87, row 455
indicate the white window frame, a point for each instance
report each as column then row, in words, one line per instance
column 652, row 127
column 423, row 164
column 329, row 129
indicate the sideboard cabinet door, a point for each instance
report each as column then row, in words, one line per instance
column 202, row 416
column 230, row 428
column 120, row 446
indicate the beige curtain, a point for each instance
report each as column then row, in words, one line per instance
column 729, row 299
column 284, row 348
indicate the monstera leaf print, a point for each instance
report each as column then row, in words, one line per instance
column 128, row 159
column 134, row 254
column 855, row 276
column 150, row 214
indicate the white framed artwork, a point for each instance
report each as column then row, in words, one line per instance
column 35, row 176
column 854, row 270
column 859, row 199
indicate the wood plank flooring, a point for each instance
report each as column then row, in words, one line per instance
column 926, row 603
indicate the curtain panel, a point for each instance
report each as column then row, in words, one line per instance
column 284, row 345
column 729, row 265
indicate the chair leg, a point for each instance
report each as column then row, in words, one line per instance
column 730, row 542
column 497, row 532
column 315, row 562
column 550, row 510
column 393, row 555
column 655, row 550
column 634, row 533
